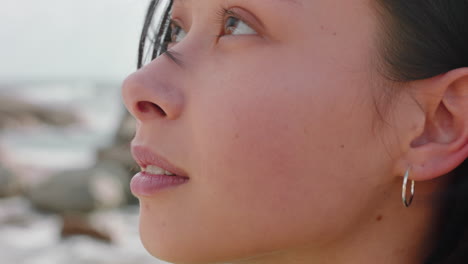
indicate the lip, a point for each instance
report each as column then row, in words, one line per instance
column 145, row 157
column 146, row 184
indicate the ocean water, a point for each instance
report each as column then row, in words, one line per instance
column 66, row 44
column 98, row 106
column 53, row 51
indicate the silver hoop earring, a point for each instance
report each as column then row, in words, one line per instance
column 407, row 202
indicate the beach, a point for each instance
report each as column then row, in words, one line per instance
column 33, row 152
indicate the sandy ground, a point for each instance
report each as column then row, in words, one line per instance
column 29, row 237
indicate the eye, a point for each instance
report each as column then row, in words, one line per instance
column 235, row 26
column 177, row 33
column 160, row 33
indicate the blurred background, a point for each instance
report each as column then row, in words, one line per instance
column 64, row 133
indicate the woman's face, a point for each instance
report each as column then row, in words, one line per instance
column 274, row 122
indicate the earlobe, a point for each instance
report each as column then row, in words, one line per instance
column 434, row 160
column 443, row 144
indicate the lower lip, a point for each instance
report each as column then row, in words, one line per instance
column 144, row 184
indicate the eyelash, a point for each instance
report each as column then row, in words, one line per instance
column 160, row 43
column 222, row 15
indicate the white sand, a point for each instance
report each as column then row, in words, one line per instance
column 27, row 237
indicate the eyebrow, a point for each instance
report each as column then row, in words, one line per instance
column 292, row 2
column 175, row 57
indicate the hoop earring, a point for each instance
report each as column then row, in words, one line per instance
column 406, row 202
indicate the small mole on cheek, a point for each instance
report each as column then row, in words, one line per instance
column 379, row 218
column 334, row 33
column 342, row 146
column 236, row 136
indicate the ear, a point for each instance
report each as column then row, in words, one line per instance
column 443, row 143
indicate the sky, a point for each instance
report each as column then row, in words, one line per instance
column 69, row 39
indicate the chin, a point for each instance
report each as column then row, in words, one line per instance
column 180, row 250
column 174, row 248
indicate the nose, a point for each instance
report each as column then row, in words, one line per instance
column 153, row 93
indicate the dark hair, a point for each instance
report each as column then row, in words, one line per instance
column 156, row 32
column 420, row 39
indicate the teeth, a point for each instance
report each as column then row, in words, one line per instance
column 154, row 170
column 151, row 169
column 169, row 173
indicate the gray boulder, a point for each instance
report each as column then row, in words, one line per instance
column 82, row 190
column 9, row 183
column 17, row 113
column 119, row 152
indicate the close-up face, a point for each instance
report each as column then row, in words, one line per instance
column 269, row 107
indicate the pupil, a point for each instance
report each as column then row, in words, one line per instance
column 231, row 24
column 175, row 33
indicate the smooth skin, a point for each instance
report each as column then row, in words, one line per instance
column 279, row 131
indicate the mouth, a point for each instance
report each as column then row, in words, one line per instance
column 157, row 173
column 154, row 164
column 155, row 170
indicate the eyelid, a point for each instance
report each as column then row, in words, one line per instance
column 178, row 23
column 246, row 17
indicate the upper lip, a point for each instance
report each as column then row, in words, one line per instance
column 145, row 157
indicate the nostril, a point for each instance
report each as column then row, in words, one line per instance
column 148, row 107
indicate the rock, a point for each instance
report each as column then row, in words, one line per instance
column 126, row 168
column 77, row 224
column 16, row 211
column 119, row 152
column 126, row 130
column 110, row 185
column 82, row 190
column 39, row 239
column 9, row 183
column 15, row 113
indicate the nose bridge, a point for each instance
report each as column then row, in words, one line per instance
column 152, row 92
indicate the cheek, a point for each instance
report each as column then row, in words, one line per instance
column 268, row 143
column 264, row 117
column 264, row 148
